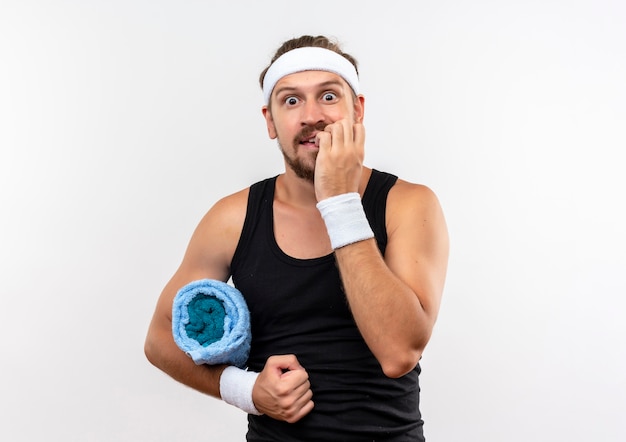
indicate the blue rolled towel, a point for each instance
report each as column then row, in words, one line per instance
column 211, row 323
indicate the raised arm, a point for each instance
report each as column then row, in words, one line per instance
column 395, row 300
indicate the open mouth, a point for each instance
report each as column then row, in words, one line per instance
column 311, row 141
column 308, row 135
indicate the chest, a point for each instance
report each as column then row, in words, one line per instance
column 300, row 232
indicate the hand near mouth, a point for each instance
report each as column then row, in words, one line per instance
column 340, row 159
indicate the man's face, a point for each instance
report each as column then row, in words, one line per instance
column 303, row 104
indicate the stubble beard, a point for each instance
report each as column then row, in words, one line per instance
column 302, row 167
column 299, row 166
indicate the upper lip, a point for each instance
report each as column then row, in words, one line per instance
column 310, row 137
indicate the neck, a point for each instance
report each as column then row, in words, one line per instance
column 297, row 191
column 294, row 190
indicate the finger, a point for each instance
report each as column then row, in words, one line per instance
column 347, row 128
column 323, row 140
column 284, row 362
column 298, row 414
column 359, row 138
column 337, row 133
column 307, row 408
column 301, row 407
column 303, row 391
column 329, row 127
column 296, row 380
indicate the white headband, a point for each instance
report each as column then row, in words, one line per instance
column 309, row 59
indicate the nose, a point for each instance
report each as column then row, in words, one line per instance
column 312, row 113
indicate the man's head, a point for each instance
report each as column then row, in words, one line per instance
column 310, row 84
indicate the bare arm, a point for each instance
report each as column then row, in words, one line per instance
column 282, row 390
column 395, row 301
column 208, row 256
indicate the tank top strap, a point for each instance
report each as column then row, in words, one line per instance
column 261, row 197
column 260, row 201
column 375, row 204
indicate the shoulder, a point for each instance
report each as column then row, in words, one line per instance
column 215, row 239
column 233, row 204
column 412, row 203
column 405, row 191
column 227, row 215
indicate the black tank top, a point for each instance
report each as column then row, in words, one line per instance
column 297, row 306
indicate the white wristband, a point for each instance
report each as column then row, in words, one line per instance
column 236, row 388
column 345, row 219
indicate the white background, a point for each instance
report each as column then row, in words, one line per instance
column 122, row 122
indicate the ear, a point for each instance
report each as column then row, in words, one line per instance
column 269, row 122
column 359, row 108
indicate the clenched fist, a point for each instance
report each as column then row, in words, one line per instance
column 282, row 390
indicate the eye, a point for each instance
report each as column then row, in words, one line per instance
column 329, row 96
column 291, row 101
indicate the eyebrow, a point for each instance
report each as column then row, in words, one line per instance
column 322, row 85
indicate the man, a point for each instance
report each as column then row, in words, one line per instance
column 342, row 268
